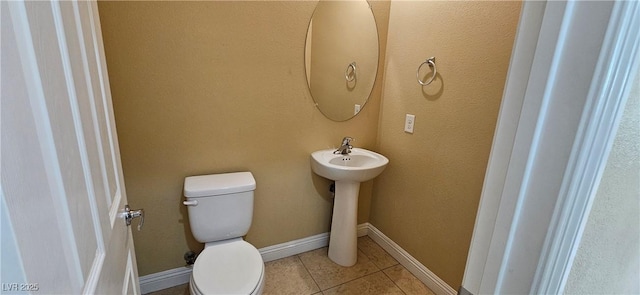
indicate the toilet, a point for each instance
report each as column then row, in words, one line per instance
column 220, row 208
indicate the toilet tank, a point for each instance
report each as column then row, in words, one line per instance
column 220, row 206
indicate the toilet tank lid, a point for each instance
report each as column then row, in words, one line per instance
column 218, row 184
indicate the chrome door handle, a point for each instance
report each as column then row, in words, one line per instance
column 131, row 214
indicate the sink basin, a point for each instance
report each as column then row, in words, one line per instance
column 348, row 171
column 360, row 165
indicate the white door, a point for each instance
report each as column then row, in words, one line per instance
column 62, row 190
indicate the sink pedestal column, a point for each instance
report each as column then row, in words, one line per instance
column 343, row 240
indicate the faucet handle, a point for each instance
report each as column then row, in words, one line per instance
column 347, row 140
column 345, row 147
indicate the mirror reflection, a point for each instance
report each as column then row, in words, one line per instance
column 341, row 57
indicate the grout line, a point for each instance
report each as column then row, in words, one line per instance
column 388, row 267
column 349, row 281
column 394, row 282
column 382, row 249
column 310, row 275
column 370, row 260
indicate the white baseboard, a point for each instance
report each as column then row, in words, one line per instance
column 181, row 275
column 164, row 279
column 363, row 229
column 421, row 272
column 294, row 247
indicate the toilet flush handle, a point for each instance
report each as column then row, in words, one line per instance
column 190, row 203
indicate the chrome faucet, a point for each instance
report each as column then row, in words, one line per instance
column 345, row 147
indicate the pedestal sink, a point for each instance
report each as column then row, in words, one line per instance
column 348, row 171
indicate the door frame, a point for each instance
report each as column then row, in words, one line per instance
column 515, row 247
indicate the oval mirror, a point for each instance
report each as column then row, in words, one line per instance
column 341, row 57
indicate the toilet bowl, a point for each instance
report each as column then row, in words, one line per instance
column 220, row 208
column 235, row 267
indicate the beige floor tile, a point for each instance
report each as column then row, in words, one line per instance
column 377, row 283
column 288, row 276
column 407, row 281
column 329, row 274
column 177, row 290
column 375, row 253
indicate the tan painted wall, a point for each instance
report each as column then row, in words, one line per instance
column 426, row 200
column 210, row 87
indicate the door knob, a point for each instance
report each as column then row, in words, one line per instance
column 131, row 214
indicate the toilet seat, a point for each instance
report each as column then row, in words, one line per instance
column 229, row 268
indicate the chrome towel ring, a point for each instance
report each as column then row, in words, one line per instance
column 350, row 75
column 432, row 64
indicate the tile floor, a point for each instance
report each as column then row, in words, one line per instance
column 376, row 272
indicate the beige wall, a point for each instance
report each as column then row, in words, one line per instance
column 426, row 200
column 210, row 87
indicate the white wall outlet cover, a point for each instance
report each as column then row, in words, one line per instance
column 409, row 122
